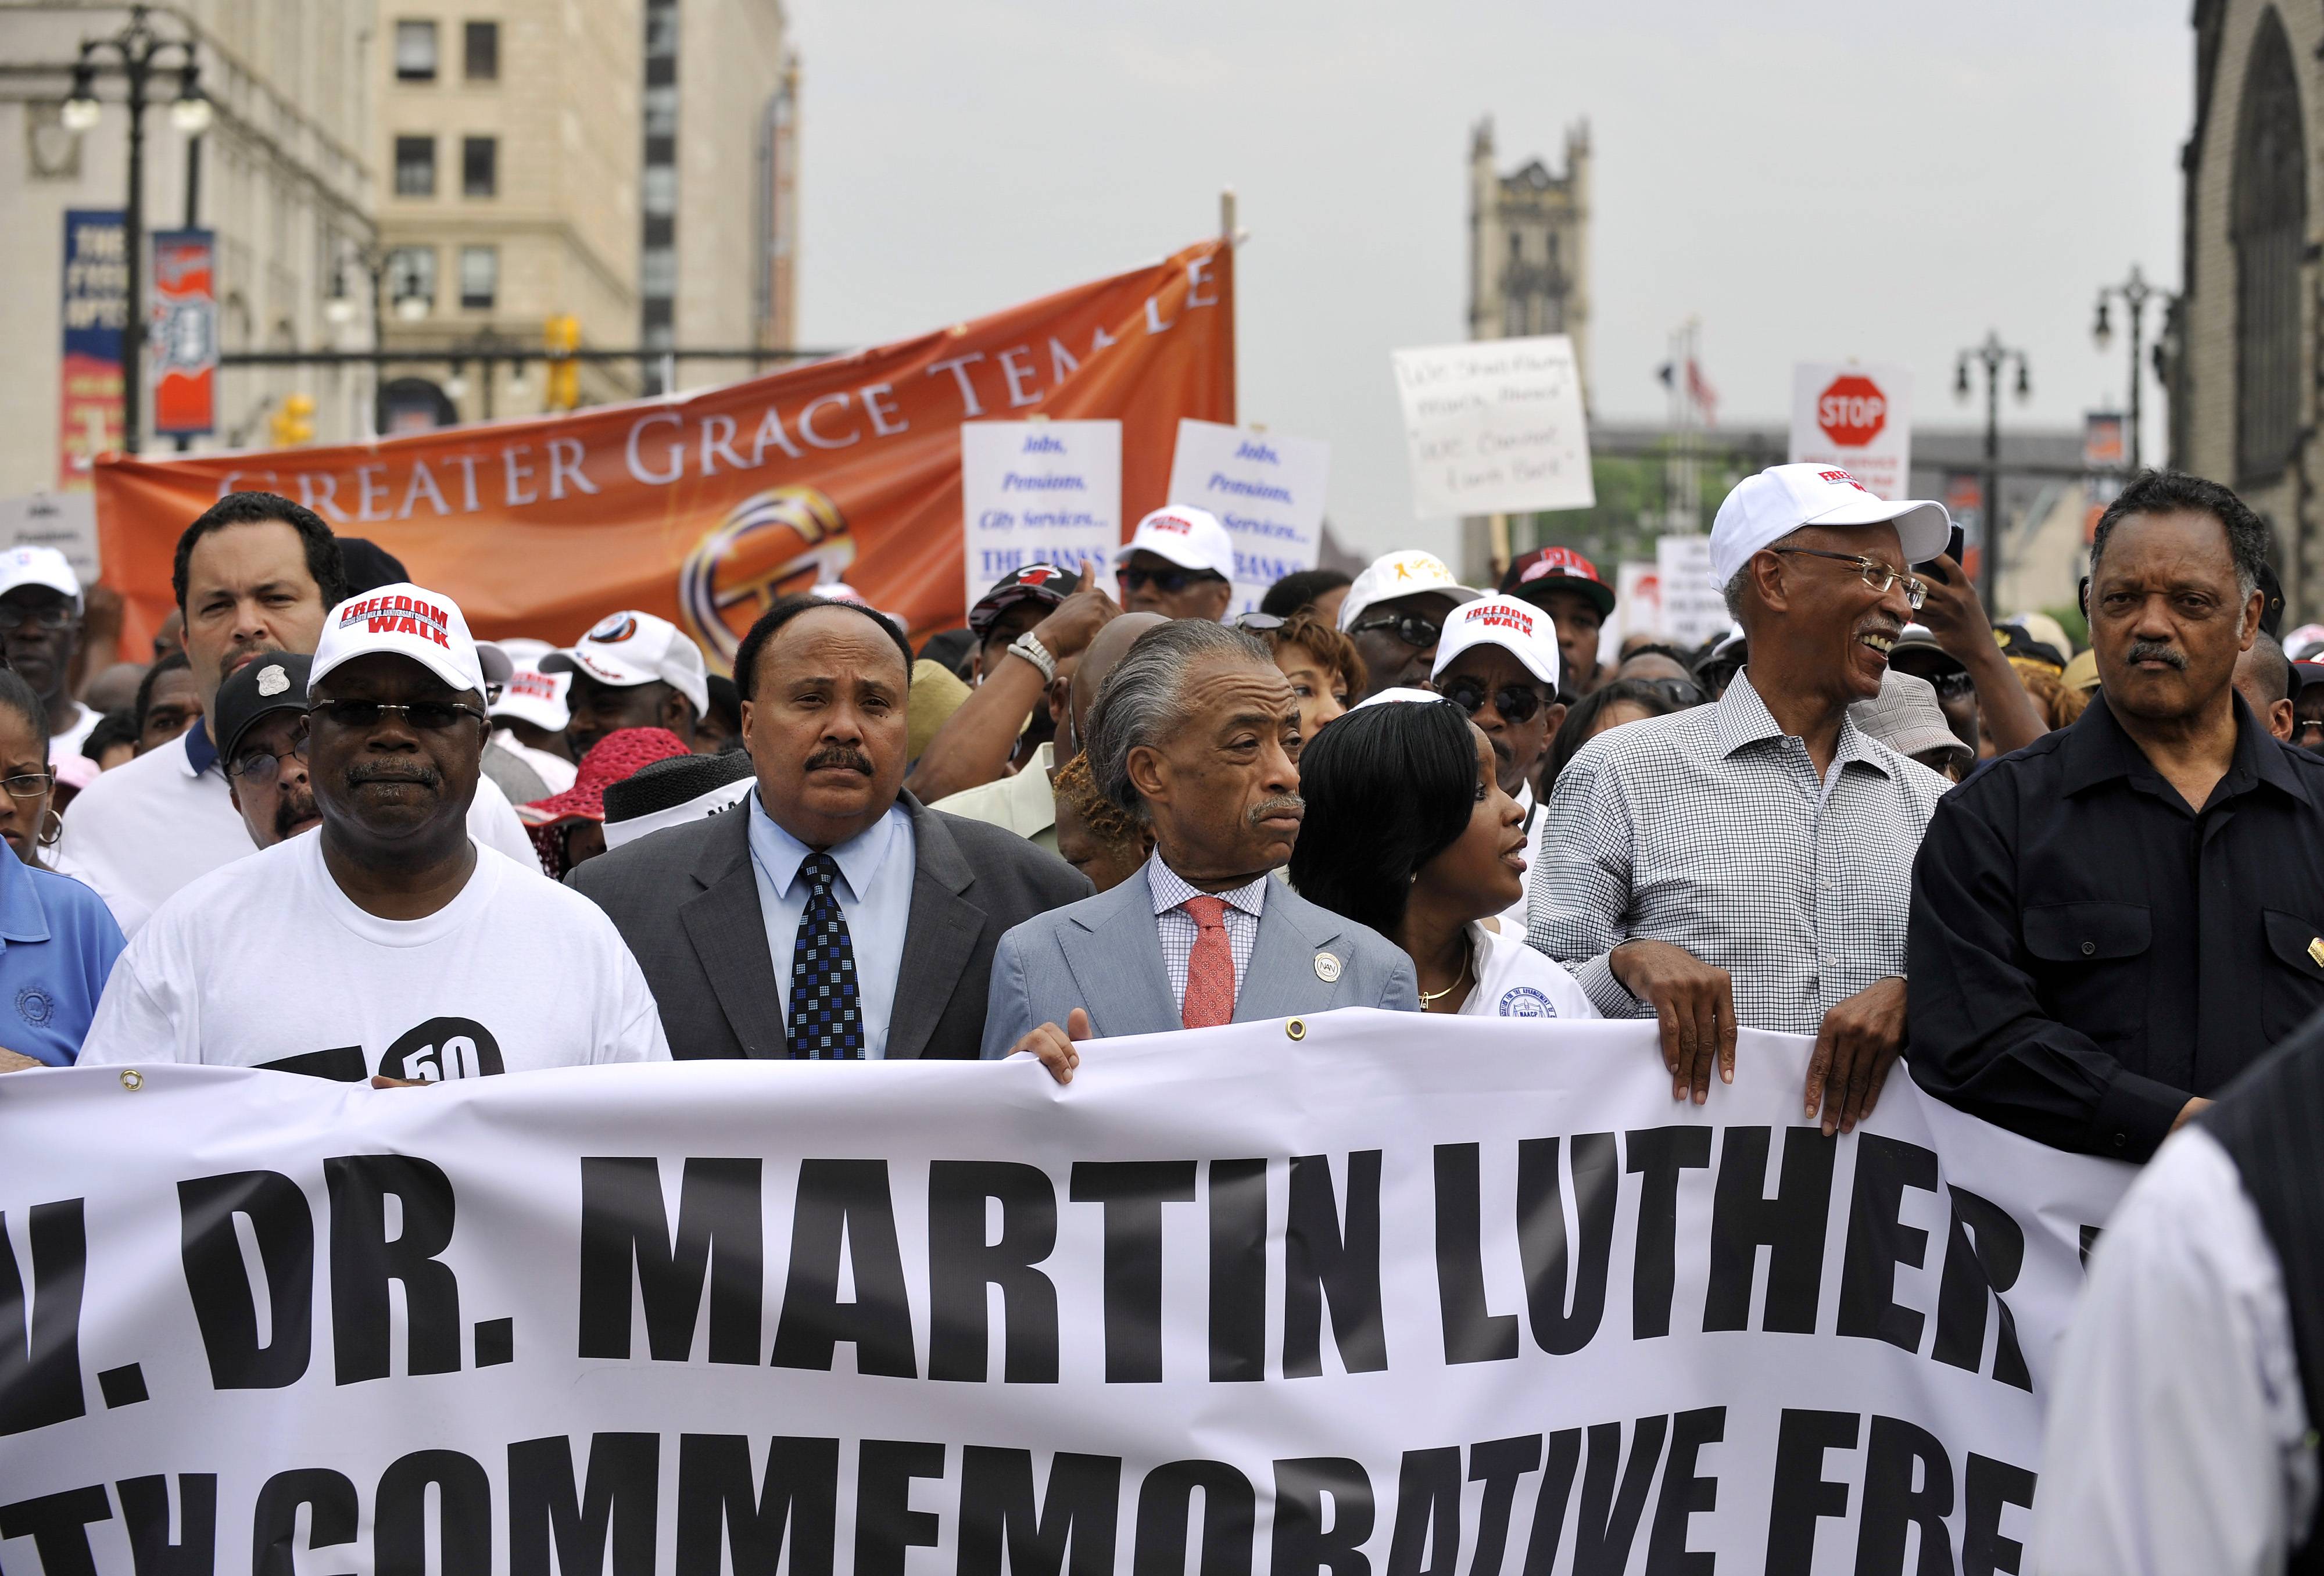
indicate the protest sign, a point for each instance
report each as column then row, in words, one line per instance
column 1693, row 609
column 1039, row 492
column 1859, row 418
column 66, row 521
column 704, row 508
column 1296, row 1293
column 1267, row 488
column 1495, row 426
column 1637, row 608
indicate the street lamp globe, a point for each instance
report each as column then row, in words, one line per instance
column 191, row 114
column 81, row 112
column 2102, row 331
column 339, row 311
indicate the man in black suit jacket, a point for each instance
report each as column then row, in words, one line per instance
column 885, row 913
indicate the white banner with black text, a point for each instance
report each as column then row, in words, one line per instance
column 1366, row 1295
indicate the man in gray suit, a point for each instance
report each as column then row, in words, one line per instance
column 830, row 916
column 1196, row 732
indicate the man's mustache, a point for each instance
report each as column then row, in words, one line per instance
column 362, row 772
column 840, row 755
column 1281, row 804
column 2157, row 651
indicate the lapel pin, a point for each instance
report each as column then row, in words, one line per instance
column 2316, row 949
column 1327, row 966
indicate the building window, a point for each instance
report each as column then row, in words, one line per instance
column 415, row 51
column 415, row 166
column 480, row 161
column 411, row 276
column 662, row 30
column 658, row 272
column 658, row 188
column 481, row 42
column 2271, row 219
column 661, row 111
column 480, row 277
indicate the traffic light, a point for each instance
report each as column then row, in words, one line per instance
column 293, row 422
column 562, row 334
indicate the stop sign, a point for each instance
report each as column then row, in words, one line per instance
column 1851, row 410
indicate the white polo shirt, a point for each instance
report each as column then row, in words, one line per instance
column 142, row 830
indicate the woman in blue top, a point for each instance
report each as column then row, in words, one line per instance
column 58, row 940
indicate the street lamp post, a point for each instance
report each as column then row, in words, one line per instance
column 2134, row 292
column 140, row 51
column 1993, row 356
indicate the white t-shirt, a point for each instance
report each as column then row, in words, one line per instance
column 69, row 740
column 267, row 964
column 144, row 829
column 1514, row 980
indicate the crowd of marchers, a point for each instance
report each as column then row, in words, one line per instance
column 2081, row 894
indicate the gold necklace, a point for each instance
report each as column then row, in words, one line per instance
column 1429, row 998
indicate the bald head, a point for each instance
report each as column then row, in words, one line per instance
column 1111, row 646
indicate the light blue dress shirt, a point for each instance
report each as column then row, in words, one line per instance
column 876, row 868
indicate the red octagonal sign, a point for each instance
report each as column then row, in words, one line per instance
column 1852, row 410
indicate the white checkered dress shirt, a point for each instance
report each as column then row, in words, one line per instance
column 1709, row 830
column 1179, row 930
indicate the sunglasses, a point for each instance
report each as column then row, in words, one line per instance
column 55, row 616
column 1414, row 630
column 1170, row 582
column 1516, row 703
column 1678, row 694
column 1257, row 623
column 429, row 716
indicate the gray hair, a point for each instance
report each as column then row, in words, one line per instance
column 1739, row 582
column 1143, row 701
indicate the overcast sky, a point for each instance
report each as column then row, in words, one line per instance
column 1812, row 180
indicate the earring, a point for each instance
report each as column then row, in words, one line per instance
column 52, row 826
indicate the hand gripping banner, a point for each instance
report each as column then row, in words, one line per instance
column 1362, row 1295
column 705, row 508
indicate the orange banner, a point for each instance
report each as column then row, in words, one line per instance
column 705, row 508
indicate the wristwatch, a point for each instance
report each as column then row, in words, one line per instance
column 1038, row 654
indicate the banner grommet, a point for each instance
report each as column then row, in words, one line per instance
column 1295, row 1028
column 132, row 1079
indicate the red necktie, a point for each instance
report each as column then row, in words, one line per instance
column 1210, row 970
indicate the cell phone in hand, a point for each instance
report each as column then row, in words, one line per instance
column 1954, row 550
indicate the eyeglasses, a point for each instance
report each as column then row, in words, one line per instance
column 1414, row 630
column 1169, row 581
column 1952, row 686
column 56, row 615
column 1516, row 703
column 259, row 767
column 2301, row 731
column 429, row 716
column 1876, row 575
column 1257, row 623
column 29, row 787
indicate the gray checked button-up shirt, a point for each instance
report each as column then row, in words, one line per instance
column 1710, row 831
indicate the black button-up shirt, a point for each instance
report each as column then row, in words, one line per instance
column 2086, row 952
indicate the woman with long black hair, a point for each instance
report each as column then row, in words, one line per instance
column 1408, row 830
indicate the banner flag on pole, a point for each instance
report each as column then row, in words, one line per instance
column 704, row 508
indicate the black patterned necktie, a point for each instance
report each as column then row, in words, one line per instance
column 826, row 1020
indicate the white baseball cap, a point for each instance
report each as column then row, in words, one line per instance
column 1397, row 696
column 1404, row 574
column 634, row 647
column 1192, row 538
column 39, row 567
column 530, row 696
column 1525, row 631
column 1764, row 508
column 400, row 620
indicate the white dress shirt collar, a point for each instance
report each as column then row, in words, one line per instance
column 1170, row 890
column 780, row 855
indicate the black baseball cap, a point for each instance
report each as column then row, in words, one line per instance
column 275, row 682
column 1045, row 584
